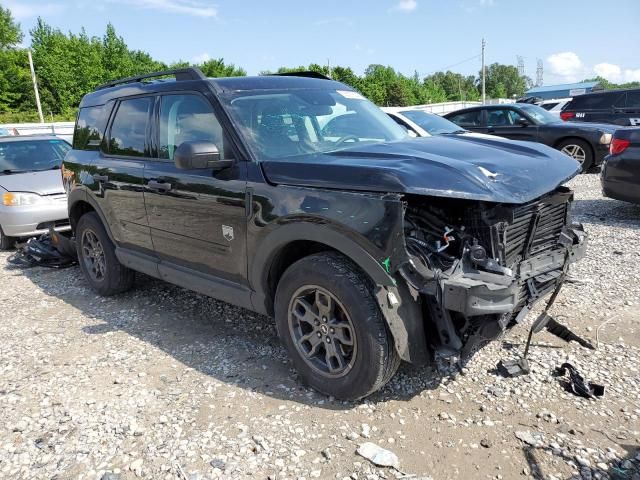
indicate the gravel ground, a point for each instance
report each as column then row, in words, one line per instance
column 164, row 383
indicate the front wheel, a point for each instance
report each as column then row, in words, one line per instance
column 328, row 319
column 97, row 258
column 579, row 150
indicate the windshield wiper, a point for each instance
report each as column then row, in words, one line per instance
column 455, row 132
column 7, row 171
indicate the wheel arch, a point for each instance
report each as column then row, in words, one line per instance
column 289, row 243
column 79, row 204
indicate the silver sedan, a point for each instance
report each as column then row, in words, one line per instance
column 33, row 197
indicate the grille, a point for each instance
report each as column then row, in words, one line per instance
column 55, row 224
column 545, row 219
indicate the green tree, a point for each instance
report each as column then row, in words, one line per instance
column 217, row 68
column 10, row 33
column 607, row 85
column 457, row 87
column 507, row 76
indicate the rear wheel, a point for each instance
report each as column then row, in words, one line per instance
column 6, row 243
column 579, row 150
column 329, row 320
column 97, row 258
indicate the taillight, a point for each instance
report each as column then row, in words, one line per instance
column 567, row 115
column 618, row 145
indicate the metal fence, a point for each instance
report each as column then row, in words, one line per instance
column 61, row 129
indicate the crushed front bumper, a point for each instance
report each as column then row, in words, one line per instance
column 472, row 292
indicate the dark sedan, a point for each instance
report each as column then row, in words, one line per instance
column 588, row 143
column 621, row 171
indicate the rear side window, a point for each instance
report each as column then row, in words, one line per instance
column 128, row 134
column 468, row 119
column 90, row 128
column 594, row 101
column 549, row 106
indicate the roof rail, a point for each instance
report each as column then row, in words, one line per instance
column 308, row 74
column 181, row 74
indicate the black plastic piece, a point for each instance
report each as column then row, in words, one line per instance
column 305, row 74
column 180, row 74
column 577, row 384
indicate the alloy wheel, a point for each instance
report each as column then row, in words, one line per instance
column 575, row 151
column 322, row 331
column 93, row 255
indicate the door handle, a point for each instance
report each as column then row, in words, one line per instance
column 160, row 186
column 100, row 178
column 491, row 130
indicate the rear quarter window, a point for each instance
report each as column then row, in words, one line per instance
column 90, row 127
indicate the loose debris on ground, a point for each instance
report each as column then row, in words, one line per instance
column 162, row 383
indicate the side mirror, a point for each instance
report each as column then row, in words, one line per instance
column 523, row 122
column 194, row 155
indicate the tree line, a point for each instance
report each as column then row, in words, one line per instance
column 69, row 65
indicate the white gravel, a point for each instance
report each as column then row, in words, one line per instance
column 164, row 383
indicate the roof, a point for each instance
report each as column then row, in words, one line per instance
column 222, row 85
column 566, row 86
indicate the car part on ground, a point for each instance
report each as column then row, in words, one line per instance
column 296, row 197
column 52, row 250
column 33, row 198
column 577, row 384
column 588, row 143
column 620, row 177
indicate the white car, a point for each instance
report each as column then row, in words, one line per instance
column 554, row 107
column 420, row 123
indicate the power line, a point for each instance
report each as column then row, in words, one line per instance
column 454, row 65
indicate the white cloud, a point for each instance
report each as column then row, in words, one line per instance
column 406, row 6
column 567, row 66
column 615, row 73
column 487, row 3
column 203, row 57
column 21, row 10
column 184, row 7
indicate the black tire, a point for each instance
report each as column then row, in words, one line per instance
column 6, row 243
column 373, row 360
column 115, row 277
column 582, row 145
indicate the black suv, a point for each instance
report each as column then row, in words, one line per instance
column 619, row 107
column 296, row 197
column 588, row 143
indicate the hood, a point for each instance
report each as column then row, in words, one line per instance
column 464, row 167
column 47, row 182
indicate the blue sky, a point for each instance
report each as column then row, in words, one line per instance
column 575, row 39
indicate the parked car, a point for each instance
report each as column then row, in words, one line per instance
column 586, row 143
column 420, row 123
column 554, row 107
column 619, row 107
column 33, row 197
column 296, row 197
column 8, row 132
column 621, row 170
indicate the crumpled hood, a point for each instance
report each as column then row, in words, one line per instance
column 464, row 167
column 47, row 182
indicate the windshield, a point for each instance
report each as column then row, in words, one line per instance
column 286, row 123
column 31, row 155
column 539, row 114
column 432, row 123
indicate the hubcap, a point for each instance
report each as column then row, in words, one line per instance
column 322, row 331
column 574, row 151
column 93, row 255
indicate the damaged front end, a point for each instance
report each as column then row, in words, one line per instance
column 474, row 269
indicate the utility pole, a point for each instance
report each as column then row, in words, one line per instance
column 483, row 73
column 35, row 86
